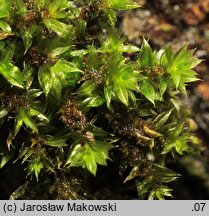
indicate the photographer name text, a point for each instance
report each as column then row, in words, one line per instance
column 70, row 207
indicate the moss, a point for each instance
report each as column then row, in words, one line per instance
column 81, row 102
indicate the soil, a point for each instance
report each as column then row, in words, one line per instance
column 175, row 23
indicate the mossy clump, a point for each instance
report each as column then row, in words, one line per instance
column 81, row 97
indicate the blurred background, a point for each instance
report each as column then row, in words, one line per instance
column 176, row 23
